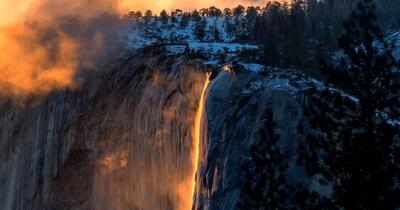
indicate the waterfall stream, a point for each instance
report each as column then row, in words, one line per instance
column 200, row 117
column 125, row 140
column 153, row 161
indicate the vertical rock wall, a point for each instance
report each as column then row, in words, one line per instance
column 122, row 140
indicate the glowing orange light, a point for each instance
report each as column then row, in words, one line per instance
column 227, row 69
column 197, row 135
column 37, row 54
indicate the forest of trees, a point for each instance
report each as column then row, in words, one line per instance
column 352, row 143
column 295, row 34
column 353, row 146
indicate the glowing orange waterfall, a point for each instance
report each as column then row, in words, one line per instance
column 197, row 136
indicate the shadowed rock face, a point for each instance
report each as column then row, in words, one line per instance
column 234, row 112
column 122, row 140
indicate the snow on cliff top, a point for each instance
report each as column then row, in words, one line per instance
column 174, row 35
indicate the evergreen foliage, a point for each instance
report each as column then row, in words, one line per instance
column 355, row 142
column 264, row 183
column 164, row 17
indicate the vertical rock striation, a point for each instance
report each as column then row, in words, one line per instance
column 122, row 140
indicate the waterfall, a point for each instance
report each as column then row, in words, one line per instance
column 198, row 135
column 124, row 140
column 151, row 164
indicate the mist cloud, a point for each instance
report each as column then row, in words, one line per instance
column 44, row 43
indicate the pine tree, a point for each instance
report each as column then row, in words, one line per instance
column 227, row 12
column 164, row 17
column 200, row 27
column 239, row 11
column 354, row 144
column 264, row 186
column 173, row 18
column 273, row 30
column 251, row 15
column 184, row 21
column 134, row 15
column 214, row 12
column 204, row 12
column 196, row 16
column 229, row 25
column 147, row 17
column 216, row 34
column 296, row 45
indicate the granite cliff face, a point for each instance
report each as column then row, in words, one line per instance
column 235, row 108
column 123, row 138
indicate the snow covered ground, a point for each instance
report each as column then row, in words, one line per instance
column 182, row 39
column 157, row 32
column 179, row 40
